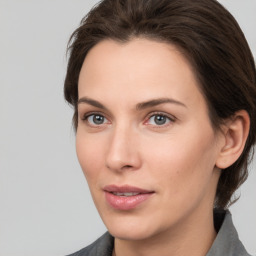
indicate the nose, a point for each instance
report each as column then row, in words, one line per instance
column 123, row 152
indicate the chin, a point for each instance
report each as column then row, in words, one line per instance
column 131, row 235
column 129, row 228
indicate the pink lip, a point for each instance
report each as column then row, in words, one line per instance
column 126, row 202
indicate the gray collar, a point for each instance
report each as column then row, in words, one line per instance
column 227, row 241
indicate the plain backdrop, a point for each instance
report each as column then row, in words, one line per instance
column 45, row 205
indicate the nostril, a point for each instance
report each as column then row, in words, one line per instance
column 126, row 167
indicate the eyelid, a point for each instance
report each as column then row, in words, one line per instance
column 84, row 117
column 169, row 116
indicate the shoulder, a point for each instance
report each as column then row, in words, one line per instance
column 103, row 246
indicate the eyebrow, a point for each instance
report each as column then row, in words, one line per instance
column 91, row 102
column 155, row 102
column 139, row 106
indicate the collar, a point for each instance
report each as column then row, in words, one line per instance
column 227, row 241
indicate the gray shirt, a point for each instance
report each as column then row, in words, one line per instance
column 226, row 243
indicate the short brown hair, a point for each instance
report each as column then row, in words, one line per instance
column 210, row 38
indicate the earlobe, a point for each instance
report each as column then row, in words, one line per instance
column 235, row 135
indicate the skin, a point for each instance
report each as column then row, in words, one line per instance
column 177, row 159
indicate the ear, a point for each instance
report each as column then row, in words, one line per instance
column 235, row 134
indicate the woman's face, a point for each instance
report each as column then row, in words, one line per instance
column 144, row 139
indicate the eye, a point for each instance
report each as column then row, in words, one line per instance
column 159, row 120
column 96, row 119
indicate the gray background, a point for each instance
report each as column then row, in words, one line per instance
column 45, row 206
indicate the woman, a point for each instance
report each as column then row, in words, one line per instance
column 164, row 96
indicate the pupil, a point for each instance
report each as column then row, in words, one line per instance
column 98, row 119
column 160, row 120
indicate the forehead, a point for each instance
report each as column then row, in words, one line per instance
column 138, row 69
column 138, row 52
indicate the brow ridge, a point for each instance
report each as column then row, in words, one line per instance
column 139, row 106
column 155, row 102
column 92, row 102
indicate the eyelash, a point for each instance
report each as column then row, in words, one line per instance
column 91, row 114
column 171, row 119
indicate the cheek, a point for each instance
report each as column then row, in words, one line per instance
column 185, row 162
column 90, row 156
column 183, row 176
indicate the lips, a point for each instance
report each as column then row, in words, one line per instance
column 126, row 197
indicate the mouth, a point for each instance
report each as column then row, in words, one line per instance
column 126, row 197
column 125, row 194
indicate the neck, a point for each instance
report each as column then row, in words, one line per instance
column 186, row 239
